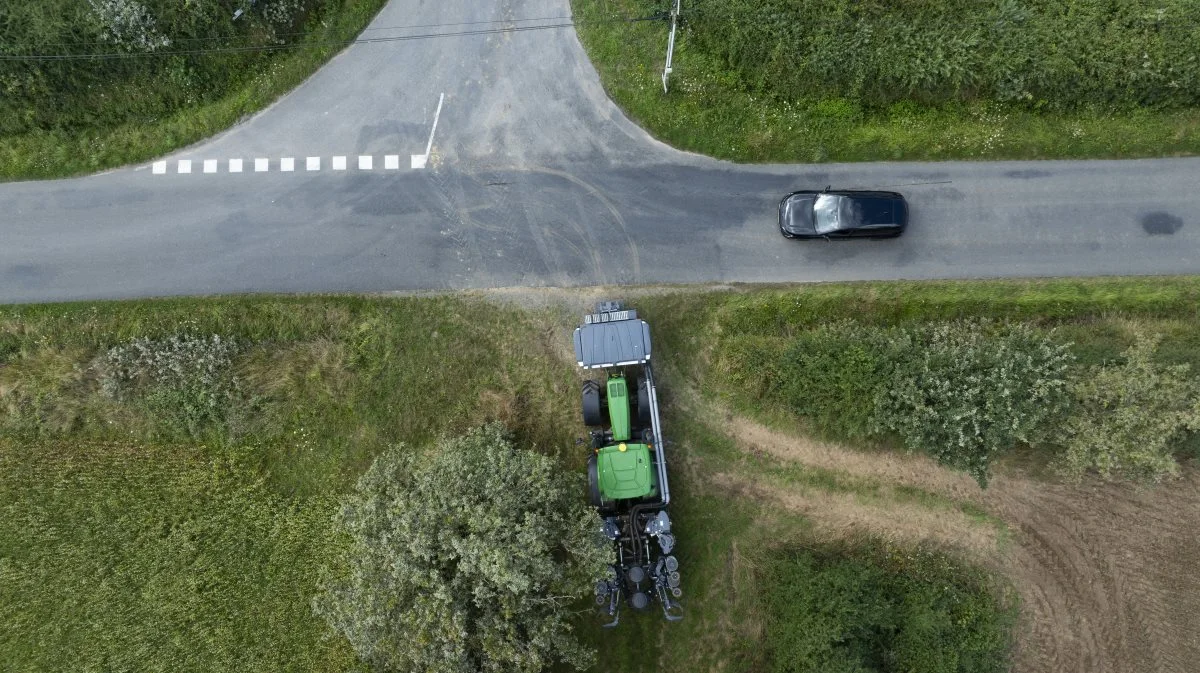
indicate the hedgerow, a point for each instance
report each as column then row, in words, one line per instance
column 87, row 84
column 1057, row 54
column 50, row 95
column 834, row 373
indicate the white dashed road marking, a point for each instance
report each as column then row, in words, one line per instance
column 365, row 162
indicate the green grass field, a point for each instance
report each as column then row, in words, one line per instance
column 118, row 556
column 911, row 87
column 142, row 531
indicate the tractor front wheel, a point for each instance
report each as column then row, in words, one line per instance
column 593, row 398
column 594, row 496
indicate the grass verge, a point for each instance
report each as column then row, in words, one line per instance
column 711, row 110
column 133, row 539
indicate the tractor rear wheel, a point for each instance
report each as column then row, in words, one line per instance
column 592, row 401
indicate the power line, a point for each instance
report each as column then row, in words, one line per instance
column 191, row 40
column 562, row 22
column 332, row 43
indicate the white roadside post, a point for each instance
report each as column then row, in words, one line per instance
column 671, row 45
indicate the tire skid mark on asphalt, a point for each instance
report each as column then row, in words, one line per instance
column 599, row 262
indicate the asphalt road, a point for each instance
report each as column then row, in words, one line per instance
column 537, row 179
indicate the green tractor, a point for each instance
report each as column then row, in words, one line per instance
column 627, row 470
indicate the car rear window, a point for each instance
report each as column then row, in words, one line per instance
column 860, row 212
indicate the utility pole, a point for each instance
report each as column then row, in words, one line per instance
column 671, row 44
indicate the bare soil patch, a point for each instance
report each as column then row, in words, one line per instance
column 1109, row 575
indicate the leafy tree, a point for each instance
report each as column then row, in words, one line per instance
column 1129, row 417
column 466, row 561
column 964, row 392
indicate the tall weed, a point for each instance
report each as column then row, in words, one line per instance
column 962, row 392
column 185, row 381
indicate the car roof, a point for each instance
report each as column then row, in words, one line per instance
column 853, row 193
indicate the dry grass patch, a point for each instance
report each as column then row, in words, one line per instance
column 843, row 516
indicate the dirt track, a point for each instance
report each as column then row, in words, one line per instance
column 1109, row 576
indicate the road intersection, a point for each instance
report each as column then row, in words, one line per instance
column 536, row 178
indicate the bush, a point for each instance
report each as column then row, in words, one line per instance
column 833, row 374
column 866, row 610
column 961, row 392
column 964, row 392
column 469, row 561
column 1130, row 417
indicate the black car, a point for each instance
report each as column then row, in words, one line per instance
column 842, row 214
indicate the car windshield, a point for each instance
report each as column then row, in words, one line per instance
column 826, row 213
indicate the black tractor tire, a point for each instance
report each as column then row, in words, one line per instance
column 594, row 496
column 593, row 401
column 643, row 403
